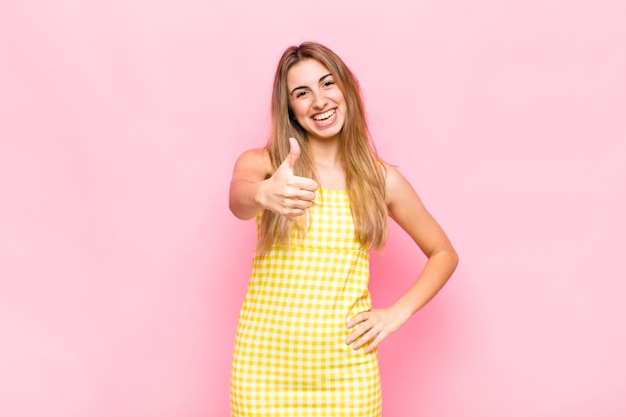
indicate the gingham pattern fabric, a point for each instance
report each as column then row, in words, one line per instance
column 290, row 357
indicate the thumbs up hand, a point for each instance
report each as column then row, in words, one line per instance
column 285, row 193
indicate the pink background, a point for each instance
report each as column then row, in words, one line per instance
column 122, row 270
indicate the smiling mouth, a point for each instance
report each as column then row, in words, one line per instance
column 321, row 117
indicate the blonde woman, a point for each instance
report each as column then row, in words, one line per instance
column 307, row 334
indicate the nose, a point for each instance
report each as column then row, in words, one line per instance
column 320, row 101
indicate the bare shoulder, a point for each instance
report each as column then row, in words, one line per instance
column 256, row 155
column 399, row 193
column 407, row 209
column 253, row 164
column 395, row 182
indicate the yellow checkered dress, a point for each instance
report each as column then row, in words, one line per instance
column 290, row 356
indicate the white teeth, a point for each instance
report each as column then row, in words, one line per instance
column 324, row 116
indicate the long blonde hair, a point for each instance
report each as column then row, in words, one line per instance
column 365, row 177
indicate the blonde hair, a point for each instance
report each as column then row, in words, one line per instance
column 365, row 177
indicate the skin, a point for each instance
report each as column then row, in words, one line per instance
column 254, row 187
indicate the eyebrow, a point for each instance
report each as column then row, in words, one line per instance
column 322, row 78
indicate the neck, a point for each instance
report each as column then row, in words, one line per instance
column 325, row 153
column 328, row 164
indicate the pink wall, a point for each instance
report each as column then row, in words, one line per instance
column 122, row 270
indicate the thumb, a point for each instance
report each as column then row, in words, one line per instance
column 294, row 152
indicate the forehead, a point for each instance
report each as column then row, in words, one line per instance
column 306, row 73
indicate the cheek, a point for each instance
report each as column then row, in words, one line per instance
column 339, row 98
column 299, row 110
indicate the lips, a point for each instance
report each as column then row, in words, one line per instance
column 325, row 118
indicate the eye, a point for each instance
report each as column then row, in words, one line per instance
column 328, row 83
column 300, row 93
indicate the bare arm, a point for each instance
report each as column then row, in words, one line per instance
column 251, row 169
column 253, row 187
column 406, row 208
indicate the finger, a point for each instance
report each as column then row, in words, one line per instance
column 372, row 346
column 295, row 212
column 298, row 205
column 307, row 184
column 359, row 332
column 367, row 337
column 302, row 194
column 294, row 152
column 294, row 194
column 355, row 338
column 302, row 183
column 356, row 320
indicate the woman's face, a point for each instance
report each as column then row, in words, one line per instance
column 316, row 100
